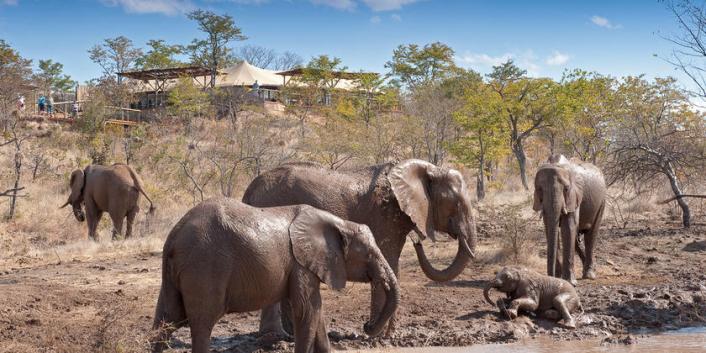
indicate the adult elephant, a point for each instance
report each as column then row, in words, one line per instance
column 114, row 189
column 224, row 256
column 392, row 199
column 571, row 196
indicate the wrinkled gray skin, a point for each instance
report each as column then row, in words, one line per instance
column 225, row 256
column 392, row 199
column 115, row 189
column 549, row 297
column 571, row 196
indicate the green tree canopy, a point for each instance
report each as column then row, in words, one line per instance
column 51, row 76
column 413, row 66
column 115, row 55
column 160, row 55
column 213, row 52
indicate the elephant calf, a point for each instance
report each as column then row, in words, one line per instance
column 225, row 256
column 550, row 297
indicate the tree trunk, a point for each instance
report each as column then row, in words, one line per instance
column 519, row 152
column 686, row 213
column 18, row 171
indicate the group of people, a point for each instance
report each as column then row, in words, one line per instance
column 45, row 104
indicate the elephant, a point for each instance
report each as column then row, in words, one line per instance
column 225, row 256
column 114, row 189
column 549, row 297
column 393, row 199
column 571, row 195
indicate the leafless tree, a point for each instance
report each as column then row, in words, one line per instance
column 256, row 55
column 689, row 54
column 16, row 138
column 287, row 61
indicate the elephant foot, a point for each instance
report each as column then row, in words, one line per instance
column 271, row 338
column 551, row 314
column 589, row 274
column 570, row 324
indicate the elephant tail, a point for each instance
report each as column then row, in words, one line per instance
column 138, row 184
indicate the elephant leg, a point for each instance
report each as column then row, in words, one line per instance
column 568, row 237
column 117, row 225
column 271, row 321
column 527, row 304
column 378, row 295
column 305, row 299
column 322, row 344
column 589, row 271
column 579, row 251
column 93, row 218
column 130, row 221
column 168, row 318
column 204, row 305
column 561, row 303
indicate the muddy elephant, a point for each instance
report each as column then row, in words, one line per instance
column 115, row 189
column 571, row 196
column 393, row 199
column 549, row 297
column 225, row 256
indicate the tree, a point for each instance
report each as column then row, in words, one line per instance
column 160, row 56
column 115, row 55
column 15, row 73
column 657, row 134
column 529, row 105
column 266, row 58
column 187, row 100
column 689, row 56
column 588, row 101
column 15, row 137
column 414, row 66
column 482, row 120
column 213, row 52
column 52, row 78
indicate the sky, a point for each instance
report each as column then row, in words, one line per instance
column 544, row 37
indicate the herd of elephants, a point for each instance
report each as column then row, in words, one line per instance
column 301, row 224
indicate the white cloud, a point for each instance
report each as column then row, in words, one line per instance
column 375, row 19
column 375, row 5
column 485, row 59
column 387, row 5
column 395, row 17
column 557, row 59
column 166, row 7
column 337, row 4
column 526, row 60
column 604, row 22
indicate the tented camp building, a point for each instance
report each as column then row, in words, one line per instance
column 152, row 86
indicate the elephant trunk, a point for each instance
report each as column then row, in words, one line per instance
column 552, row 209
column 385, row 278
column 486, row 291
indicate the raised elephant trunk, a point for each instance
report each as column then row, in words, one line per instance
column 385, row 278
column 464, row 254
column 486, row 291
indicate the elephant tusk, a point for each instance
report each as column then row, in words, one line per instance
column 64, row 205
column 466, row 247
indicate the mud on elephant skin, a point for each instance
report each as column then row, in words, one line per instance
column 548, row 297
column 571, row 197
column 115, row 189
column 225, row 256
column 412, row 197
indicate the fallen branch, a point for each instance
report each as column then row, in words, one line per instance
column 11, row 192
column 682, row 196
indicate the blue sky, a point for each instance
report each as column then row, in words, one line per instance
column 544, row 37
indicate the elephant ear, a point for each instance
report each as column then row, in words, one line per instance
column 411, row 183
column 572, row 199
column 319, row 244
column 537, row 202
column 76, row 182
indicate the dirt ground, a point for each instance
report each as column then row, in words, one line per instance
column 650, row 278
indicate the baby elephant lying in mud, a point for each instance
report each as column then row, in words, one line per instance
column 549, row 297
column 225, row 256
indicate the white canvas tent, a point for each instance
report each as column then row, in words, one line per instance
column 244, row 74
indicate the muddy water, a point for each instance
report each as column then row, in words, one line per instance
column 690, row 340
